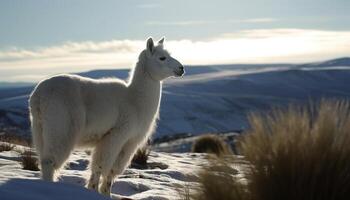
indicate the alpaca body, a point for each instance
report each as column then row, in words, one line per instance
column 94, row 107
column 109, row 115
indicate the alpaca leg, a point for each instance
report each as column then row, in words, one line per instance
column 106, row 184
column 47, row 169
column 95, row 170
column 37, row 135
column 123, row 160
column 104, row 156
column 94, row 180
column 47, row 164
column 53, row 158
column 58, row 143
column 55, row 152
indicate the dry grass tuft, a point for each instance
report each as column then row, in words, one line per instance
column 14, row 139
column 29, row 161
column 300, row 153
column 218, row 181
column 140, row 158
column 211, row 143
column 6, row 143
column 294, row 154
column 5, row 146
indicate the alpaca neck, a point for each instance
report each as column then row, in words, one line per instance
column 145, row 91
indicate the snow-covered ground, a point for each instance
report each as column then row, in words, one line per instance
column 167, row 174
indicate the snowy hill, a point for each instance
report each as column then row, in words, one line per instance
column 216, row 98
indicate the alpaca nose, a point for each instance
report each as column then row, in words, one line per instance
column 180, row 71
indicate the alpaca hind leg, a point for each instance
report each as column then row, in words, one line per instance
column 47, row 162
column 53, row 158
column 35, row 123
column 37, row 135
column 47, row 168
column 122, row 161
column 58, row 143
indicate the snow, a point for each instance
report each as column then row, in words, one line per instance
column 167, row 174
column 25, row 189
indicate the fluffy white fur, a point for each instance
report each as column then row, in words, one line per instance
column 110, row 115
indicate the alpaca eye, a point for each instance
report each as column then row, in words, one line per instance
column 162, row 58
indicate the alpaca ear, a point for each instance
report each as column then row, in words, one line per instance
column 150, row 45
column 161, row 41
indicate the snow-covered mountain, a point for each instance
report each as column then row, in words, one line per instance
column 216, row 98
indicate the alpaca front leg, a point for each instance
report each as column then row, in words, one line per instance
column 47, row 169
column 104, row 156
column 96, row 169
column 94, row 180
column 123, row 160
column 107, row 180
column 107, row 184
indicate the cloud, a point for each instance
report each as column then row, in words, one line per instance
column 207, row 22
column 120, row 46
column 247, row 46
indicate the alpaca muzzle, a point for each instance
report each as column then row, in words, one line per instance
column 180, row 71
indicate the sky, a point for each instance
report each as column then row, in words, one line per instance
column 44, row 37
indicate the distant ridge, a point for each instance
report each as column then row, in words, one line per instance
column 15, row 84
column 199, row 69
column 194, row 69
column 344, row 62
column 106, row 73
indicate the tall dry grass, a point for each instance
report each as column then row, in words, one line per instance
column 300, row 153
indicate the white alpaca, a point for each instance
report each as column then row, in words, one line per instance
column 114, row 117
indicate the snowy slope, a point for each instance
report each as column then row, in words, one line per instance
column 166, row 175
column 221, row 103
column 218, row 98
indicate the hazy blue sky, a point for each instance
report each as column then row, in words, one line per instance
column 37, row 33
column 38, row 23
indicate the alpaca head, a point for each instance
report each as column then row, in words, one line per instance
column 158, row 62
